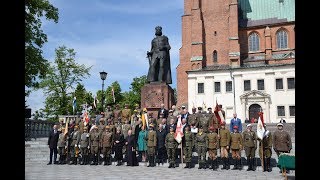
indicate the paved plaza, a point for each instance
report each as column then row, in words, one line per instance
column 36, row 170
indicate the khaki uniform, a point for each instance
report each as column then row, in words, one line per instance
column 281, row 142
column 201, row 142
column 213, row 145
column 125, row 115
column 107, row 142
column 151, row 146
column 236, row 147
column 250, row 146
column 116, row 114
column 188, row 143
column 94, row 146
column 171, row 145
column 108, row 114
column 192, row 117
column 267, row 151
column 204, row 121
column 84, row 144
column 74, row 149
column 224, row 151
column 171, row 117
column 62, row 144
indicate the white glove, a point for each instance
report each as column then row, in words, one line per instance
column 87, row 135
column 88, row 147
column 75, row 145
column 79, row 145
column 66, row 147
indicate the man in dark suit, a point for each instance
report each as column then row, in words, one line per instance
column 52, row 143
column 164, row 111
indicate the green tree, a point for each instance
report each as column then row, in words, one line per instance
column 134, row 95
column 35, row 64
column 117, row 94
column 61, row 78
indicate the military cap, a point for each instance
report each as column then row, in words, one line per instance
column 151, row 125
column 85, row 127
column 211, row 128
column 183, row 107
column 107, row 127
column 135, row 110
column 279, row 124
column 249, row 125
column 170, row 110
column 199, row 108
column 209, row 108
column 137, row 105
column 235, row 127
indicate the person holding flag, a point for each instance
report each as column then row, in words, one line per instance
column 265, row 143
column 74, row 104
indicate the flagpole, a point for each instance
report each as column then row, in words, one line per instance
column 181, row 155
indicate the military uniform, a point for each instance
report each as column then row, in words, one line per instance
column 267, row 151
column 250, row 146
column 117, row 113
column 151, row 145
column 188, row 143
column 74, row 149
column 213, row 145
column 94, row 145
column 62, row 144
column 107, row 142
column 171, row 145
column 204, row 121
column 201, row 142
column 109, row 113
column 224, row 146
column 84, row 146
column 126, row 114
column 236, row 147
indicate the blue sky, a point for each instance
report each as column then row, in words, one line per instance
column 112, row 36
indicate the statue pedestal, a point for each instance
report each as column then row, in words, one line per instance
column 155, row 94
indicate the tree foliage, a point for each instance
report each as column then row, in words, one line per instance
column 59, row 83
column 35, row 64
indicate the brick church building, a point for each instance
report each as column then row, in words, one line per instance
column 240, row 53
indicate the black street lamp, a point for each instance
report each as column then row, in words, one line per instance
column 103, row 76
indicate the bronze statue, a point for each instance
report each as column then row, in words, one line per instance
column 159, row 59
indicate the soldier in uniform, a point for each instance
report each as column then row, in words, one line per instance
column 62, row 145
column 171, row 145
column 94, row 145
column 171, row 116
column 125, row 128
column 84, row 146
column 224, row 141
column 109, row 113
column 107, row 142
column 213, row 146
column 266, row 143
column 111, row 125
column 188, row 143
column 281, row 140
column 236, row 147
column 204, row 121
column 198, row 115
column 134, row 118
column 126, row 114
column 118, row 124
column 201, row 143
column 74, row 149
column 151, row 145
column 117, row 112
column 101, row 129
column 152, row 120
column 250, row 146
column 192, row 116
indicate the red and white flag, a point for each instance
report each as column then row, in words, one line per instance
column 86, row 116
column 114, row 98
column 179, row 131
column 218, row 113
column 260, row 126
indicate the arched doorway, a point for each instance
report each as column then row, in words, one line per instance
column 253, row 111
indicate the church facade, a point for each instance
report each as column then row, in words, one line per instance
column 241, row 54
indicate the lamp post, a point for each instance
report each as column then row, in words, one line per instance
column 103, row 76
column 234, row 91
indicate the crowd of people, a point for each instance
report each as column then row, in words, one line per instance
column 133, row 136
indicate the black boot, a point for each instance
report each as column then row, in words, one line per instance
column 235, row 166
column 71, row 161
column 239, row 164
column 209, row 162
column 227, row 163
column 173, row 165
column 269, row 165
column 105, row 160
column 200, row 165
column 149, row 160
column 64, row 157
column 170, row 165
column 253, row 164
column 264, row 165
column 215, row 164
column 109, row 160
column 249, row 164
column 75, row 160
column 85, row 159
column 224, row 162
column 60, row 159
column 187, row 165
column 92, row 159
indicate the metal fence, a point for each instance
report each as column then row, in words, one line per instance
column 36, row 129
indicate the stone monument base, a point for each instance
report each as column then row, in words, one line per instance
column 154, row 94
